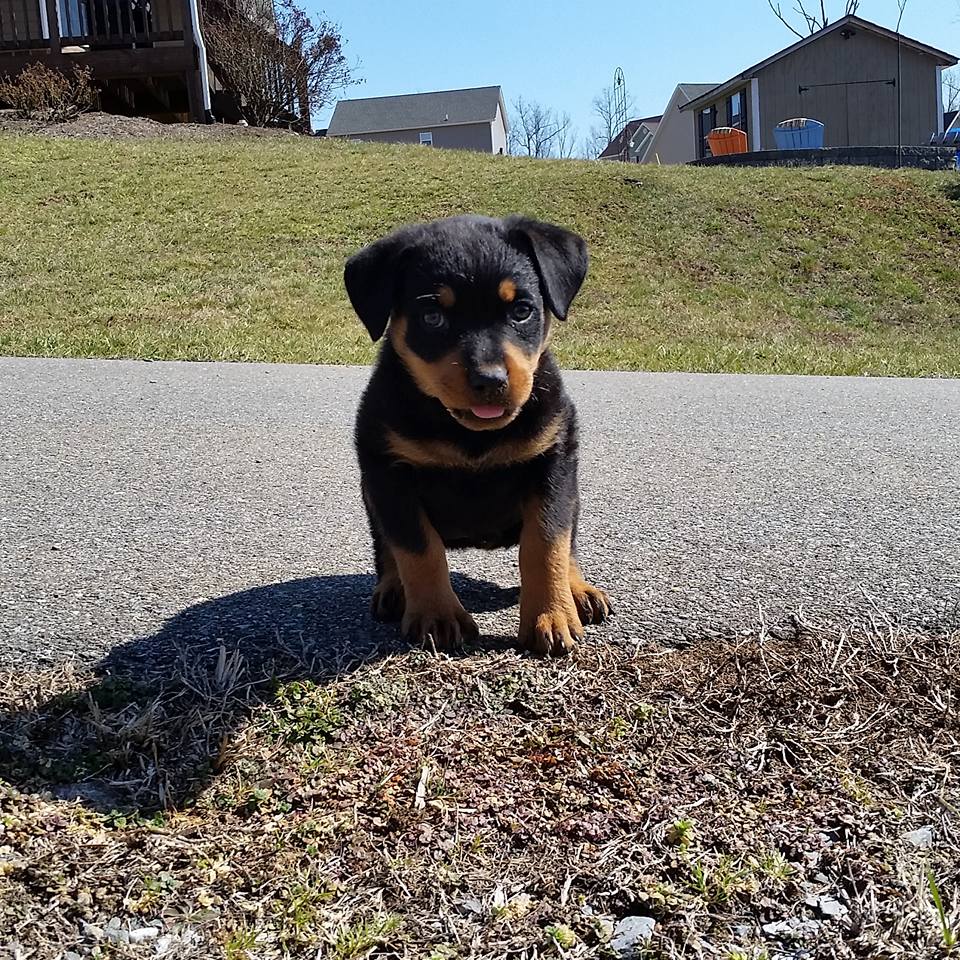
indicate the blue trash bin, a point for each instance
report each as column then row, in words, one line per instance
column 800, row 133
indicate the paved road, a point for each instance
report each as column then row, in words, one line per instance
column 142, row 503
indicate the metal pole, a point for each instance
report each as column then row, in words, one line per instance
column 902, row 5
column 899, row 105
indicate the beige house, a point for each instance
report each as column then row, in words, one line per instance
column 866, row 84
column 471, row 119
column 670, row 138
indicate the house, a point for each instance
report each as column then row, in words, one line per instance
column 630, row 144
column 669, row 138
column 868, row 85
column 471, row 119
column 147, row 57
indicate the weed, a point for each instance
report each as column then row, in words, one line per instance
column 681, row 833
column 358, row 939
column 239, row 943
column 719, row 882
column 949, row 936
column 303, row 712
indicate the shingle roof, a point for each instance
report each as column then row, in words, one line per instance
column 413, row 110
column 693, row 90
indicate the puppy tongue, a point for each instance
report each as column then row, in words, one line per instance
column 488, row 413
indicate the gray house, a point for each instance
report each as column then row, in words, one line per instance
column 630, row 144
column 865, row 83
column 472, row 119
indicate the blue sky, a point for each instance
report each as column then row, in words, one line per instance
column 563, row 53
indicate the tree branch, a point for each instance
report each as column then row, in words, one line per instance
column 783, row 19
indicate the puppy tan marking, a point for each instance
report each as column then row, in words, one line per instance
column 521, row 369
column 432, row 610
column 445, row 379
column 446, row 297
column 507, row 290
column 438, row 453
column 549, row 622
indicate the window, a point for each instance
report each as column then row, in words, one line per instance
column 737, row 110
column 426, row 139
column 706, row 121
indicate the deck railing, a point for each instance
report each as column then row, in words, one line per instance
column 103, row 24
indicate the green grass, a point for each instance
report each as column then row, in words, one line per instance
column 234, row 251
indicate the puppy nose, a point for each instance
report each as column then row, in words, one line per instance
column 489, row 379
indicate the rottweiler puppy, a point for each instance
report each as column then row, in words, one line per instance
column 465, row 435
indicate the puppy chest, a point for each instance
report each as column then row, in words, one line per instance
column 473, row 509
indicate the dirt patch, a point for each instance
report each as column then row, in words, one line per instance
column 108, row 126
column 789, row 793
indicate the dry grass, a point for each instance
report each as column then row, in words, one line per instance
column 489, row 805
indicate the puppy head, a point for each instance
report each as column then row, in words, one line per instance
column 469, row 302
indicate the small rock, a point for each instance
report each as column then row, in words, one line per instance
column 142, row 934
column 472, row 905
column 70, row 955
column 163, row 945
column 792, row 928
column 827, row 906
column 922, row 838
column 91, row 930
column 631, row 935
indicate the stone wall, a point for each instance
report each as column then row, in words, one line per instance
column 925, row 158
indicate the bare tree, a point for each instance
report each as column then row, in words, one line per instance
column 278, row 63
column 566, row 138
column 951, row 89
column 605, row 110
column 539, row 131
column 812, row 22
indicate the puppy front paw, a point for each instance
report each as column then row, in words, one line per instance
column 442, row 623
column 552, row 632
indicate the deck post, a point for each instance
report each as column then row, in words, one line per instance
column 53, row 32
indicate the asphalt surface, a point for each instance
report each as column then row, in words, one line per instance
column 144, row 504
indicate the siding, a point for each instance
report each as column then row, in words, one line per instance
column 859, row 115
column 498, row 134
column 675, row 140
column 467, row 136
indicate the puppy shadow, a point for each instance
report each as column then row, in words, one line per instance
column 151, row 725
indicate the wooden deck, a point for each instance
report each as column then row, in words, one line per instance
column 117, row 39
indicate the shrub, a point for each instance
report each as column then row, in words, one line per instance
column 42, row 93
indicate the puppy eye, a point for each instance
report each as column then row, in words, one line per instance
column 434, row 320
column 522, row 312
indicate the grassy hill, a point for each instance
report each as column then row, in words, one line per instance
column 234, row 250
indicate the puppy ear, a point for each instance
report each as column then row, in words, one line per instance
column 560, row 257
column 371, row 276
